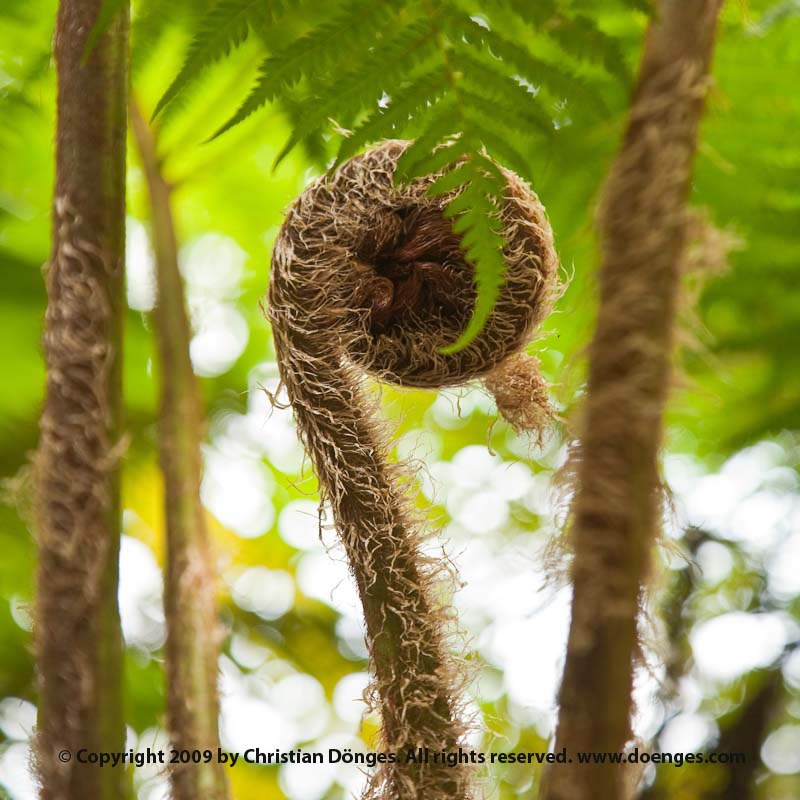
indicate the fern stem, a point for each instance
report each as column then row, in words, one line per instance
column 192, row 626
column 643, row 227
column 78, row 638
column 413, row 675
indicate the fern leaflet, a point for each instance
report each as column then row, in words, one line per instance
column 224, row 28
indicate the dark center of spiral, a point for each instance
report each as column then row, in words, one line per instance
column 418, row 271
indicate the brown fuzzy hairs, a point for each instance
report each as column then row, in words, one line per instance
column 369, row 279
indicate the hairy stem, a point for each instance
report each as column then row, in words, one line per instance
column 369, row 278
column 413, row 678
column 78, row 638
column 192, row 627
column 643, row 227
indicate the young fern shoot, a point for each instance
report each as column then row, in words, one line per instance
column 370, row 279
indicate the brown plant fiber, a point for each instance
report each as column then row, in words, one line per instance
column 77, row 635
column 618, row 502
column 369, row 279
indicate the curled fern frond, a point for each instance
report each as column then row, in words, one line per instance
column 437, row 72
column 369, row 276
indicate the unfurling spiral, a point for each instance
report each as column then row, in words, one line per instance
column 369, row 278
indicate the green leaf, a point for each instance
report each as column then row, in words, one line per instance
column 353, row 30
column 364, row 85
column 451, row 180
column 224, row 28
column 416, row 160
column 582, row 38
column 519, row 106
column 645, row 6
column 558, row 80
column 151, row 21
column 502, row 147
column 537, row 12
column 476, row 209
column 406, row 102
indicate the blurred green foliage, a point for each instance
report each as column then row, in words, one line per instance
column 738, row 393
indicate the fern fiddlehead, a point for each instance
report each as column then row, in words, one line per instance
column 369, row 279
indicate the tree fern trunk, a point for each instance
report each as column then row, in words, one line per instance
column 643, row 227
column 192, row 627
column 78, row 637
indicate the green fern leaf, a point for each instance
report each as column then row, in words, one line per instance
column 583, row 39
column 645, row 6
column 475, row 210
column 354, row 29
column 314, row 144
column 485, row 179
column 500, row 146
column 451, row 179
column 364, row 85
column 152, row 19
column 224, row 28
column 538, row 12
column 404, row 103
column 445, row 156
column 441, row 126
column 478, row 120
column 558, row 81
column 519, row 106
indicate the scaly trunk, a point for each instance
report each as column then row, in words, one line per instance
column 79, row 646
column 643, row 228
